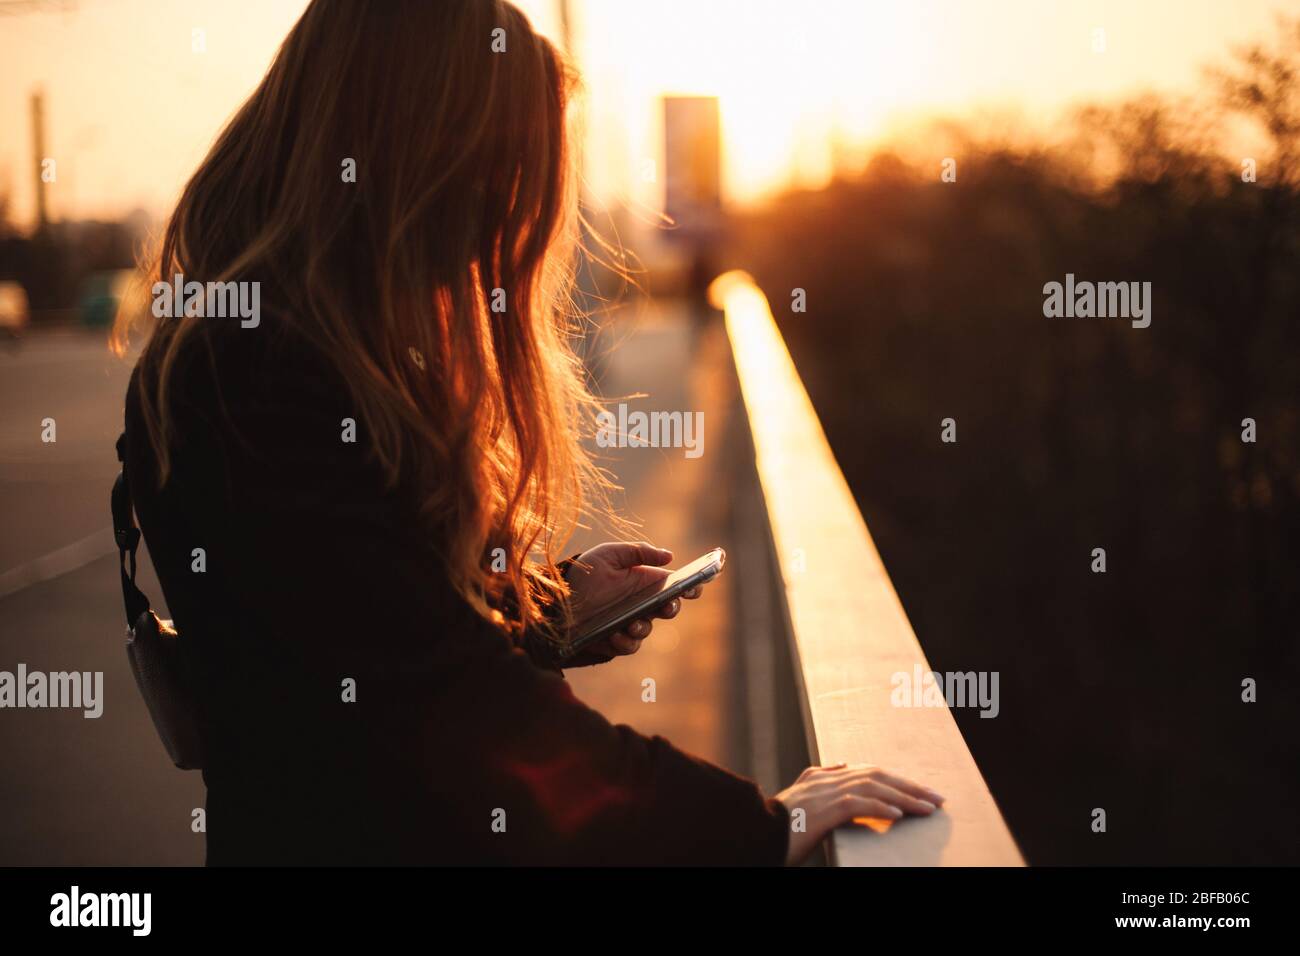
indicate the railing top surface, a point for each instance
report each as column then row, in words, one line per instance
column 849, row 634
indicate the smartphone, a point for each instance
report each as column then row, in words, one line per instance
column 613, row 618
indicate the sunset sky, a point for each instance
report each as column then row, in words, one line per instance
column 132, row 108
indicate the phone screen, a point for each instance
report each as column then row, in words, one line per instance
column 609, row 619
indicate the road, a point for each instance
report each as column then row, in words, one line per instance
column 74, row 790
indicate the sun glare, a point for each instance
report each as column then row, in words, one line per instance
column 795, row 83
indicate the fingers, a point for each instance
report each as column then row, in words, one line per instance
column 628, row 554
column 669, row 610
column 639, row 629
column 910, row 788
column 895, row 798
column 694, row 592
column 623, row 644
column 854, row 806
column 811, row 772
column 866, row 771
column 868, row 781
column 628, row 640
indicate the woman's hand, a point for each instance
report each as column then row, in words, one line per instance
column 610, row 572
column 831, row 796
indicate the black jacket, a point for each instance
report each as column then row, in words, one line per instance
column 315, row 575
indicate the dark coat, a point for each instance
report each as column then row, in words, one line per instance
column 315, row 574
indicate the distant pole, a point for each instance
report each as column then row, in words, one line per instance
column 38, row 144
column 566, row 29
column 566, row 37
column 584, row 281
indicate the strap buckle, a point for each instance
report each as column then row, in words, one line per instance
column 127, row 538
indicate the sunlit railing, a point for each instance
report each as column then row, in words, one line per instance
column 846, row 630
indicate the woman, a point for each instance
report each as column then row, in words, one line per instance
column 353, row 499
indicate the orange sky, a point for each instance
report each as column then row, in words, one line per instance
column 132, row 107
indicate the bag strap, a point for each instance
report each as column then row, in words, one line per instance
column 127, row 536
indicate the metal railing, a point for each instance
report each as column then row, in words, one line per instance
column 846, row 636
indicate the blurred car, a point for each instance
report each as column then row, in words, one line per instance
column 101, row 293
column 14, row 314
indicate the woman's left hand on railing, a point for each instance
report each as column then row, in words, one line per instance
column 832, row 796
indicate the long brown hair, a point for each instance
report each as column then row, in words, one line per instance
column 463, row 198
